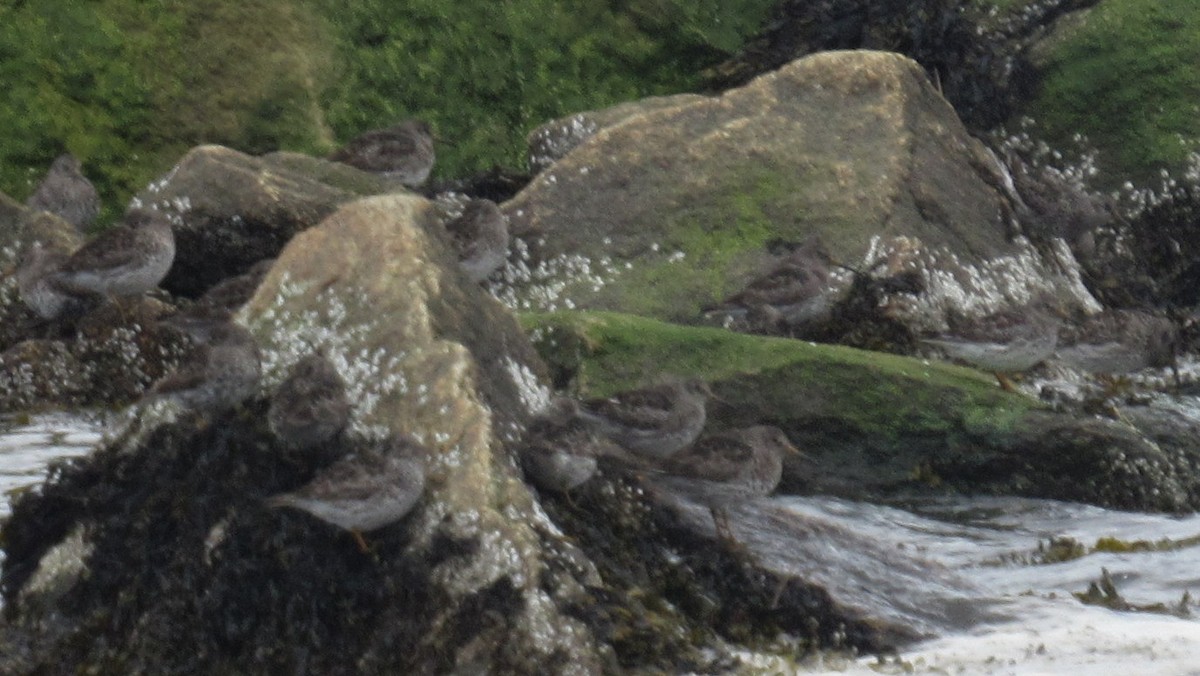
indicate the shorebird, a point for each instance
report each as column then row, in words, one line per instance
column 128, row 260
column 66, row 193
column 222, row 370
column 559, row 450
column 1120, row 341
column 655, row 421
column 726, row 468
column 365, row 491
column 310, row 408
column 794, row 292
column 34, row 274
column 402, row 152
column 1009, row 341
column 480, row 237
column 229, row 295
column 745, row 462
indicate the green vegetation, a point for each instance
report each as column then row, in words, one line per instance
column 884, row 396
column 128, row 85
column 1122, row 57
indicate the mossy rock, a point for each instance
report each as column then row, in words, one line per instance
column 1125, row 74
column 874, row 425
column 670, row 208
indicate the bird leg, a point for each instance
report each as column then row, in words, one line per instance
column 1005, row 383
column 725, row 530
column 362, row 543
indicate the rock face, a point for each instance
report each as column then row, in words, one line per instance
column 232, row 210
column 670, row 207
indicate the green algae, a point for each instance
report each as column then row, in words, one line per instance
column 1124, row 75
column 128, row 86
column 875, row 394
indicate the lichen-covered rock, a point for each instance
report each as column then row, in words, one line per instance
column 669, row 209
column 231, row 210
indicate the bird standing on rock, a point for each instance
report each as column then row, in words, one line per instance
column 67, row 193
column 403, row 152
column 364, row 491
column 34, row 273
column 655, row 421
column 727, row 468
column 221, row 371
column 310, row 407
column 480, row 237
column 128, row 260
column 1004, row 342
column 793, row 293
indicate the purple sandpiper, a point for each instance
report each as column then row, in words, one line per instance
column 480, row 237
column 655, row 421
column 364, row 491
column 1009, row 341
column 221, row 371
column 1120, row 341
column 66, row 193
column 128, row 260
column 794, row 292
column 402, row 152
column 726, row 468
column 34, row 273
column 310, row 408
column 559, row 450
column 747, row 461
column 229, row 295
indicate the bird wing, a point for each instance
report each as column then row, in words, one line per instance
column 116, row 248
column 376, row 150
column 645, row 408
column 715, row 458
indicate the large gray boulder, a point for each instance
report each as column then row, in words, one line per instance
column 669, row 206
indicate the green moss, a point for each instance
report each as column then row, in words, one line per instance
column 1127, row 77
column 880, row 395
column 128, row 86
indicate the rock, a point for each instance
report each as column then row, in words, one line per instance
column 231, row 210
column 877, row 425
column 670, row 209
column 178, row 544
column 552, row 141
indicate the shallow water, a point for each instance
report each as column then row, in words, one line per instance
column 1036, row 626
column 976, row 551
column 29, row 444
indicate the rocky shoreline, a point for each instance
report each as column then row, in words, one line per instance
column 633, row 225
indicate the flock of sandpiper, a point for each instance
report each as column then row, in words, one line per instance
column 656, row 430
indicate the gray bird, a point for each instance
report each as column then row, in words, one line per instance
column 403, row 152
column 222, row 370
column 365, row 491
column 480, row 237
column 229, row 295
column 34, row 274
column 67, row 193
column 746, row 461
column 724, row 469
column 1120, row 341
column 559, row 452
column 1009, row 341
column 128, row 260
column 310, row 408
column 655, row 421
column 793, row 293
